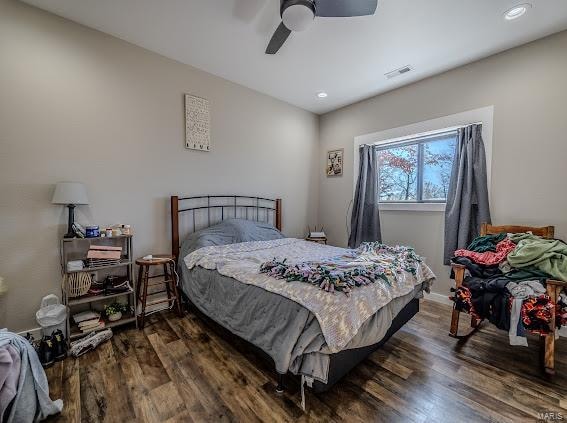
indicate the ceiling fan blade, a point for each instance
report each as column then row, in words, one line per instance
column 345, row 8
column 279, row 37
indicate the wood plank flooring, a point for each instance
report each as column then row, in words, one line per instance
column 186, row 370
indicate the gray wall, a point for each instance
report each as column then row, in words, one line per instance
column 528, row 88
column 76, row 104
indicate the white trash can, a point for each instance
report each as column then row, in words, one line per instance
column 52, row 315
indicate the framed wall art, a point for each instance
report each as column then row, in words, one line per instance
column 197, row 123
column 335, row 162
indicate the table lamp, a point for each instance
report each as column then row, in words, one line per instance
column 70, row 194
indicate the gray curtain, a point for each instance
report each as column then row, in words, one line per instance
column 365, row 218
column 467, row 198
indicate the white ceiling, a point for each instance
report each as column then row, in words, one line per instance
column 346, row 57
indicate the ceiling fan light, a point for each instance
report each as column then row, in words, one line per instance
column 298, row 16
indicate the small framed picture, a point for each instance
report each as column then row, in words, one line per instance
column 335, row 162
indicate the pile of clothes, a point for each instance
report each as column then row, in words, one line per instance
column 505, row 282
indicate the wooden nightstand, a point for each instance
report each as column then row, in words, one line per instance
column 318, row 240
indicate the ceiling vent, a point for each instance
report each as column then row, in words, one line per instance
column 398, row 72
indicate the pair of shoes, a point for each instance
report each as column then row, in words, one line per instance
column 114, row 284
column 52, row 348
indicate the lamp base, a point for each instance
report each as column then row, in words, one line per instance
column 70, row 232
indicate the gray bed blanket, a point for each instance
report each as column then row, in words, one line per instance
column 288, row 332
column 340, row 316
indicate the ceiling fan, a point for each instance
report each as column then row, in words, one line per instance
column 298, row 14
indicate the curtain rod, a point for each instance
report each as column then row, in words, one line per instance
column 423, row 134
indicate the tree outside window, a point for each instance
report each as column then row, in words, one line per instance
column 418, row 170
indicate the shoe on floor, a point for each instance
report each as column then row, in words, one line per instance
column 46, row 351
column 59, row 345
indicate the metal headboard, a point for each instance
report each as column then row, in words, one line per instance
column 207, row 207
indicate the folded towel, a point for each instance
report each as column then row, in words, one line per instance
column 74, row 265
column 85, row 315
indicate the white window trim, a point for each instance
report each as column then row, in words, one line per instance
column 429, row 127
column 410, row 206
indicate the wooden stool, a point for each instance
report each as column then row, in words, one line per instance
column 170, row 282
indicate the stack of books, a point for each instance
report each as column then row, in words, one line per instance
column 103, row 255
column 88, row 321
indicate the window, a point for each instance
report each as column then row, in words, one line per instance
column 416, row 170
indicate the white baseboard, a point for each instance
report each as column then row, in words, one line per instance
column 438, row 298
column 35, row 332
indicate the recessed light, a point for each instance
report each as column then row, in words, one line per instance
column 322, row 94
column 517, row 11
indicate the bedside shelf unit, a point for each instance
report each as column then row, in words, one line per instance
column 76, row 249
column 318, row 240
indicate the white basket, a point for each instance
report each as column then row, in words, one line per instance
column 52, row 315
column 77, row 284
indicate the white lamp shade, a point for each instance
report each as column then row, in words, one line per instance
column 70, row 193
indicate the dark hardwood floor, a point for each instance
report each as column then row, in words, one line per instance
column 181, row 370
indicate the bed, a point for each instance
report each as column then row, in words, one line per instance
column 303, row 329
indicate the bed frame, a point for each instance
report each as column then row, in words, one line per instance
column 230, row 206
column 260, row 209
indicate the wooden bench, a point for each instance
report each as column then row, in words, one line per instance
column 554, row 288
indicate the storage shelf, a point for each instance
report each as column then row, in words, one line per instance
column 94, row 269
column 76, row 332
column 76, row 249
column 99, row 297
